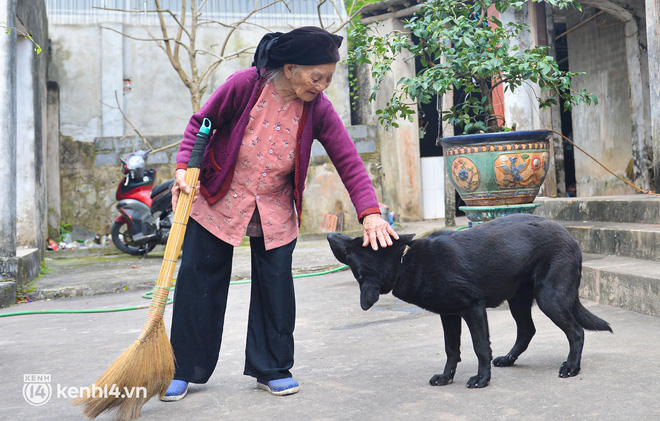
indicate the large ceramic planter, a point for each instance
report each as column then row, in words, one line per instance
column 494, row 169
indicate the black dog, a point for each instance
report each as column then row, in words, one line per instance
column 459, row 274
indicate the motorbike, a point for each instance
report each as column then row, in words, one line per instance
column 145, row 212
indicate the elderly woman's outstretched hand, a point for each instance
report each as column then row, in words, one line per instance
column 376, row 230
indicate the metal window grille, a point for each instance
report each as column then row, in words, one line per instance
column 301, row 13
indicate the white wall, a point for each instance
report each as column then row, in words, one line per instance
column 76, row 66
column 604, row 130
column 90, row 64
column 433, row 187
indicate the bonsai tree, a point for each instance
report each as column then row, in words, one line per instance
column 463, row 48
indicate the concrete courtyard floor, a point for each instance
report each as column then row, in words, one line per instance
column 351, row 364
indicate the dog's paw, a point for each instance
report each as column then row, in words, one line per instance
column 504, row 361
column 441, row 380
column 478, row 381
column 568, row 370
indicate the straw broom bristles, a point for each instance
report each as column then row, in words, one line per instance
column 148, row 364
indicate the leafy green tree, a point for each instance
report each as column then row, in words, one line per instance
column 463, row 48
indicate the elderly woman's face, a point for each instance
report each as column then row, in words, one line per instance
column 309, row 81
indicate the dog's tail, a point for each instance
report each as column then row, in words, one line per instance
column 589, row 320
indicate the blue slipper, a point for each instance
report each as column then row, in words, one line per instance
column 279, row 387
column 177, row 391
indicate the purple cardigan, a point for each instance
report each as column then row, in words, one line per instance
column 229, row 108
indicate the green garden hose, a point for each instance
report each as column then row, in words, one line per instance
column 149, row 295
column 170, row 300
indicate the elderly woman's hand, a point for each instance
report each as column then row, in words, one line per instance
column 376, row 230
column 180, row 185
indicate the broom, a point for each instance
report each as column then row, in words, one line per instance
column 148, row 364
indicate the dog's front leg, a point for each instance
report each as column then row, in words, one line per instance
column 477, row 322
column 451, row 325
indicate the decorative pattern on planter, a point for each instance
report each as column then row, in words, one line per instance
column 465, row 173
column 521, row 169
column 459, row 150
column 497, row 169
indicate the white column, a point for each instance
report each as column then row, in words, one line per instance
column 26, row 191
column 53, row 158
column 112, row 79
column 7, row 132
column 653, row 37
column 637, row 115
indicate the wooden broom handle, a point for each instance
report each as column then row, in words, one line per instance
column 175, row 239
column 178, row 230
column 182, row 212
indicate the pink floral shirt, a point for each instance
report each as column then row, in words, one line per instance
column 262, row 177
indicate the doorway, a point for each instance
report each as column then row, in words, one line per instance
column 561, row 49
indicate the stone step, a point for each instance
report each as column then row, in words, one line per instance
column 639, row 208
column 629, row 283
column 639, row 241
column 7, row 293
column 17, row 272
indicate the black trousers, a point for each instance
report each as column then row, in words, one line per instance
column 200, row 300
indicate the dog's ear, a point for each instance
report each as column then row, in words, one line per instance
column 369, row 294
column 406, row 238
column 339, row 244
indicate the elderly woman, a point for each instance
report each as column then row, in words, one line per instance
column 252, row 182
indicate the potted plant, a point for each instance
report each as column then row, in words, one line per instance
column 465, row 48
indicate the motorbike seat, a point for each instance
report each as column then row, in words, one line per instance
column 161, row 188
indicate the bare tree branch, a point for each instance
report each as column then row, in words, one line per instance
column 166, row 38
column 318, row 10
column 152, row 38
column 350, row 9
column 192, row 57
column 168, row 11
column 173, row 56
column 134, row 129
column 144, row 139
column 158, row 44
column 255, row 9
column 233, row 55
column 229, row 25
column 216, row 63
column 167, row 147
column 350, row 15
column 184, row 26
column 181, row 28
column 201, row 5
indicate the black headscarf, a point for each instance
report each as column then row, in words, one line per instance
column 306, row 46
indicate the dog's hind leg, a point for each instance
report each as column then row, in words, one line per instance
column 451, row 325
column 559, row 309
column 521, row 310
column 477, row 321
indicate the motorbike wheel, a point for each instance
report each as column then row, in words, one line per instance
column 121, row 236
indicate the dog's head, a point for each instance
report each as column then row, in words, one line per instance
column 375, row 270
